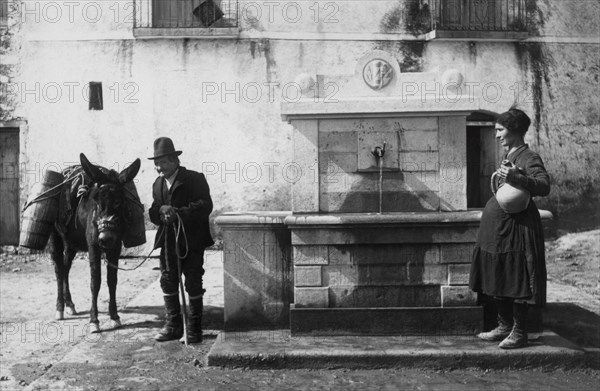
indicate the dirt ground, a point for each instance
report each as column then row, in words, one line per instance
column 27, row 302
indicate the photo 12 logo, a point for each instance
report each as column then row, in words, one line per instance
column 269, row 92
column 54, row 12
column 69, row 91
column 253, row 12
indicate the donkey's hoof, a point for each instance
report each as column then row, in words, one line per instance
column 71, row 310
column 114, row 324
column 60, row 315
column 94, row 328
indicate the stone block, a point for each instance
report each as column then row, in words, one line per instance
column 338, row 141
column 427, row 274
column 307, row 276
column 305, row 190
column 419, row 161
column 339, row 255
column 420, row 181
column 379, row 234
column 375, row 124
column 341, row 275
column 333, row 165
column 385, row 296
column 452, row 159
column 457, row 253
column 386, row 321
column 311, row 297
column 384, row 275
column 338, row 180
column 339, row 125
column 458, row 274
column 257, row 270
column 368, row 139
column 457, row 296
column 310, row 255
column 426, row 254
column 407, row 125
column 368, row 202
column 419, row 140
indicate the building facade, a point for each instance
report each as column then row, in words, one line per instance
column 107, row 77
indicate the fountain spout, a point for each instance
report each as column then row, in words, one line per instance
column 378, row 151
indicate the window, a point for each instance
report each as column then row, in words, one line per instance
column 479, row 19
column 3, row 13
column 185, row 14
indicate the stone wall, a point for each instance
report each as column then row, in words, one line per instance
column 349, row 180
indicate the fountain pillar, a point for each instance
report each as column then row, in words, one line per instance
column 381, row 250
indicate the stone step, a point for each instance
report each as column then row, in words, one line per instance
column 435, row 321
column 279, row 349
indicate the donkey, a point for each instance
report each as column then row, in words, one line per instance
column 96, row 226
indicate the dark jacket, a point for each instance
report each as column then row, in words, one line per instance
column 190, row 194
column 535, row 179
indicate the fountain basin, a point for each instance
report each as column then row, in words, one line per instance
column 392, row 273
column 353, row 273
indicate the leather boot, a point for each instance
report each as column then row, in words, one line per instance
column 518, row 335
column 505, row 323
column 194, row 326
column 173, row 328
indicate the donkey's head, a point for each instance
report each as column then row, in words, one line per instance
column 109, row 196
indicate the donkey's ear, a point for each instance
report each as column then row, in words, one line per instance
column 93, row 172
column 130, row 172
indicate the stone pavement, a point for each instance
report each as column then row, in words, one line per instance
column 128, row 358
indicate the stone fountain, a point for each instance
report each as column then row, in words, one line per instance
column 379, row 237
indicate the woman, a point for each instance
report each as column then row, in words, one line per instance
column 508, row 261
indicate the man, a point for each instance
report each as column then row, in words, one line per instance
column 180, row 194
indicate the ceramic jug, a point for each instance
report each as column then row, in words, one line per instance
column 511, row 198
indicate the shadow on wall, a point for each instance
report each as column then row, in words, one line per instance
column 388, row 275
column 419, row 194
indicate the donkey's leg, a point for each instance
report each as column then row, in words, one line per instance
column 96, row 277
column 56, row 252
column 111, row 280
column 68, row 259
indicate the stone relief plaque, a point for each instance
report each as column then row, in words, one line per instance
column 378, row 73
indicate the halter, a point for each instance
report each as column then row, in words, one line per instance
column 107, row 223
column 104, row 224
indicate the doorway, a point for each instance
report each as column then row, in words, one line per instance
column 9, row 185
column 483, row 154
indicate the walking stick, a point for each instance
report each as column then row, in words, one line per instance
column 183, row 304
column 179, row 272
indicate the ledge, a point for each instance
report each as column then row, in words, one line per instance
column 270, row 218
column 395, row 106
column 470, row 35
column 407, row 218
column 176, row 33
column 252, row 219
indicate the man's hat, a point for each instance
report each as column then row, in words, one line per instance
column 163, row 146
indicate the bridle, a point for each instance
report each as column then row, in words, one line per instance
column 109, row 223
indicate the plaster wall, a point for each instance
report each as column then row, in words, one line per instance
column 219, row 99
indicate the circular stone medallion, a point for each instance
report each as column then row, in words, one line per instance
column 378, row 73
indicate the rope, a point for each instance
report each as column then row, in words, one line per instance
column 493, row 183
column 138, row 265
column 82, row 191
column 177, row 230
column 180, row 230
column 42, row 197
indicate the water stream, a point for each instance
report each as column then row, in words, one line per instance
column 380, row 183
